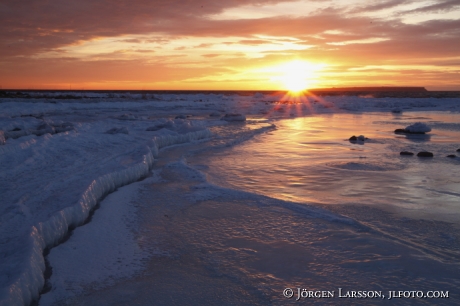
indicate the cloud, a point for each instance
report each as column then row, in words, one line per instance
column 32, row 26
column 132, row 40
column 58, row 28
column 203, row 45
column 255, row 41
column 143, row 51
column 211, row 55
column 380, row 6
column 36, row 26
column 442, row 6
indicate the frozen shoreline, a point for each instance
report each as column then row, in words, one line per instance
column 37, row 171
column 202, row 243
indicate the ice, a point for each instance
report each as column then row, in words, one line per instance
column 122, row 130
column 258, row 95
column 418, row 127
column 57, row 163
column 215, row 114
column 123, row 260
column 213, row 243
column 62, row 177
column 234, row 117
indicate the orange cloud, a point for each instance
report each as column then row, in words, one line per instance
column 95, row 41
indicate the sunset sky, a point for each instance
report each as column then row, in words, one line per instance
column 232, row 44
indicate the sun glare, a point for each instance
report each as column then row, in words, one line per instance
column 297, row 75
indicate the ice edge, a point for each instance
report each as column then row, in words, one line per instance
column 48, row 234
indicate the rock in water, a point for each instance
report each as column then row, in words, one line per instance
column 451, row 156
column 425, row 154
column 406, row 153
column 357, row 138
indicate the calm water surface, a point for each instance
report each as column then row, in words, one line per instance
column 310, row 159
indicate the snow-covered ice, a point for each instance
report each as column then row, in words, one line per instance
column 418, row 127
column 60, row 158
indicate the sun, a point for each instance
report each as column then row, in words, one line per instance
column 297, row 75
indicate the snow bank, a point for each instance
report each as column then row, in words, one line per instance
column 47, row 234
column 28, row 277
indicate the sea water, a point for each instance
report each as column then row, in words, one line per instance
column 310, row 159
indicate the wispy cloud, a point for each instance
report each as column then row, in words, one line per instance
column 441, row 6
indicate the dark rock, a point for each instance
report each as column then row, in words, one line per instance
column 425, row 154
column 404, row 131
column 406, row 153
column 360, row 138
column 458, row 150
column 451, row 156
column 181, row 117
column 15, row 129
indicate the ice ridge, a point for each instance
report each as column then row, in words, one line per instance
column 30, row 280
